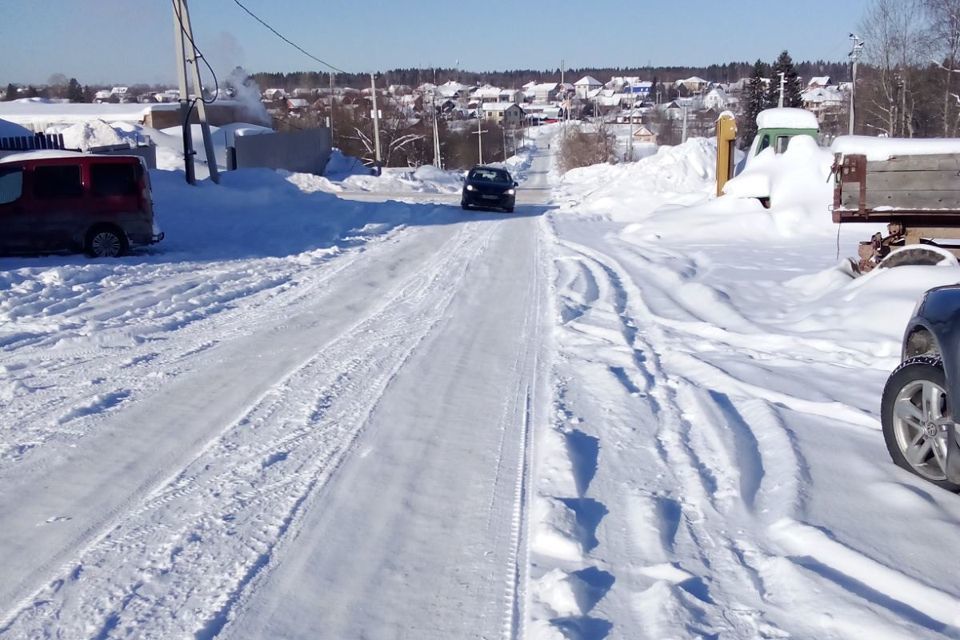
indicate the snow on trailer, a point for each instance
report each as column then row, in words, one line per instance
column 911, row 185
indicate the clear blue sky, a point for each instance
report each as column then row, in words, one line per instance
column 130, row 41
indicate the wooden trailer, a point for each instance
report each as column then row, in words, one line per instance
column 917, row 196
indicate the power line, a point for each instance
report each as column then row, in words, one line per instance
column 288, row 41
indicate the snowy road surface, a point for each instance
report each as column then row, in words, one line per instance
column 614, row 414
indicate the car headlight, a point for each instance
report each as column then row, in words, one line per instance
column 510, row 192
column 470, row 187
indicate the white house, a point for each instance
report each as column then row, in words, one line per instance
column 822, row 100
column 545, row 91
column 585, row 85
column 486, row 94
column 717, row 100
column 693, row 84
column 507, row 114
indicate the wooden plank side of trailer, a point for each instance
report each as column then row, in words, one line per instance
column 942, row 162
column 911, row 200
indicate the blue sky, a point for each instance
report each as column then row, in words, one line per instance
column 128, row 41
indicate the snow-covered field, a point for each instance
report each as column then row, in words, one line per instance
column 630, row 411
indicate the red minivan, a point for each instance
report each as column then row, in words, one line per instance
column 68, row 201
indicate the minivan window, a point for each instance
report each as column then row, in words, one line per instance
column 61, row 181
column 113, row 179
column 11, row 185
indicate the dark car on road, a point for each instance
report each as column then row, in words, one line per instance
column 489, row 188
column 918, row 399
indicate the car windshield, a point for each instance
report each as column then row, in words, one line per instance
column 490, row 175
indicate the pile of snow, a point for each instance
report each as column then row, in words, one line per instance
column 885, row 148
column 425, row 179
column 680, row 175
column 92, row 134
column 799, row 177
column 341, row 166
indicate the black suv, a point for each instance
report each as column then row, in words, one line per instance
column 489, row 188
column 920, row 395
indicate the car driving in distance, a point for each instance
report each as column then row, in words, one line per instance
column 489, row 188
column 920, row 395
column 53, row 201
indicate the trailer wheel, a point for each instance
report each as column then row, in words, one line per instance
column 918, row 254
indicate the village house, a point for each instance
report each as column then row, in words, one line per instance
column 506, row 114
column 585, row 85
column 644, row 135
column 544, row 92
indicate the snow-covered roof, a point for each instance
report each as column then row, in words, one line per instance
column 588, row 81
column 487, row 92
column 41, row 154
column 823, row 94
column 885, row 148
column 297, row 103
column 787, row 118
column 452, row 88
column 544, row 87
column 26, row 113
column 499, row 106
column 819, row 80
column 9, row 129
column 692, row 80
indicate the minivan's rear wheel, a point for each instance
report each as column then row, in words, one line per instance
column 106, row 242
column 912, row 411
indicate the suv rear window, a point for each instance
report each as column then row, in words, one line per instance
column 62, row 181
column 114, row 179
column 11, row 185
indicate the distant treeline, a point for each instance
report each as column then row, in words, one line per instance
column 730, row 72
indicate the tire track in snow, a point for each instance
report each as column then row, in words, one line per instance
column 687, row 453
column 300, row 437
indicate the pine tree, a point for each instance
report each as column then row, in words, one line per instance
column 755, row 101
column 74, row 91
column 11, row 92
column 792, row 89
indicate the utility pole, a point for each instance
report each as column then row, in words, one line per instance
column 437, row 161
column 783, row 86
column 683, row 137
column 330, row 124
column 179, row 45
column 376, row 122
column 479, row 135
column 198, row 90
column 855, row 52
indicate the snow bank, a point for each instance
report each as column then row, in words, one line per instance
column 341, row 166
column 681, row 175
column 91, row 134
column 879, row 149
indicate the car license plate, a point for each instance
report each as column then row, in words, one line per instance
column 491, row 197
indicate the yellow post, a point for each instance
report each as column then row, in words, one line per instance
column 726, row 139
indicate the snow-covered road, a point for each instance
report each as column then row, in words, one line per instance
column 373, row 415
column 365, row 421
